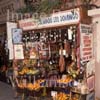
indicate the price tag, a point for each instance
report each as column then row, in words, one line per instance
column 64, row 77
column 53, row 93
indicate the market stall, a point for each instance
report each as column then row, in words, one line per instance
column 49, row 55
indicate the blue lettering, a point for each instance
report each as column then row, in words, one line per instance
column 56, row 19
column 47, row 21
column 70, row 17
column 76, row 16
column 62, row 18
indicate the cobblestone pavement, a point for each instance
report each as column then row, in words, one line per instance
column 6, row 92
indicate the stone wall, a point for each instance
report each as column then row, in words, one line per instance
column 12, row 5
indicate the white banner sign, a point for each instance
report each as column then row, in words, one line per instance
column 57, row 19
column 60, row 18
column 86, row 45
column 10, row 26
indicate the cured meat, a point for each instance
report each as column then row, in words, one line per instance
column 73, row 54
column 61, row 62
column 67, row 47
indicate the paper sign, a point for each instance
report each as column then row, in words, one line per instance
column 53, row 93
column 86, row 45
column 17, row 35
column 91, row 83
column 90, row 68
column 18, row 51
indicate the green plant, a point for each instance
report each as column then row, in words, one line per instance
column 48, row 6
column 27, row 9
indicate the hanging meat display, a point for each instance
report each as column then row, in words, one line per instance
column 67, row 47
column 61, row 61
column 73, row 54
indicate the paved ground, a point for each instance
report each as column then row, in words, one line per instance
column 6, row 92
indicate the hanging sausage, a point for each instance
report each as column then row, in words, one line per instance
column 73, row 54
column 61, row 61
column 67, row 47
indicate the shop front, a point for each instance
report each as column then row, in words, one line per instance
column 52, row 56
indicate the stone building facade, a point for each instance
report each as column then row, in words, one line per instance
column 12, row 5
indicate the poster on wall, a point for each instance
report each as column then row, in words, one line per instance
column 43, row 51
column 91, row 83
column 90, row 68
column 16, row 35
column 33, row 53
column 86, row 43
column 10, row 26
column 18, row 51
